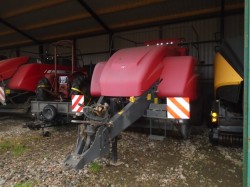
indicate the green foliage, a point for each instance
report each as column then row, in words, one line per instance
column 18, row 149
column 95, row 167
column 5, row 146
column 14, row 147
column 25, row 184
column 57, row 128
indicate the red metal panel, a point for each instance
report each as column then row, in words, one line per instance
column 95, row 88
column 178, row 78
column 131, row 71
column 9, row 66
column 28, row 75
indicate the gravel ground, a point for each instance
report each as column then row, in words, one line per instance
column 142, row 161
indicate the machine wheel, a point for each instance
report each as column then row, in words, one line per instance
column 49, row 112
column 197, row 112
column 80, row 86
column 185, row 130
column 213, row 136
column 43, row 90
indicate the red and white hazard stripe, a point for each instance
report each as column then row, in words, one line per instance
column 178, row 108
column 2, row 95
column 77, row 103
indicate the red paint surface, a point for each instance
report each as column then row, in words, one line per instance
column 132, row 71
column 178, row 78
column 9, row 66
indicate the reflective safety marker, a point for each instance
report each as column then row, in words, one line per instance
column 2, row 96
column 149, row 96
column 120, row 113
column 132, row 99
column 178, row 108
column 77, row 103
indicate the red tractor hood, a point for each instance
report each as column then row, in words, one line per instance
column 130, row 72
column 9, row 66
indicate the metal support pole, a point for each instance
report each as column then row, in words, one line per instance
column 114, row 150
column 94, row 15
column 41, row 52
column 246, row 159
column 160, row 31
column 17, row 52
column 222, row 16
column 55, row 66
column 111, row 44
column 73, row 56
column 150, row 126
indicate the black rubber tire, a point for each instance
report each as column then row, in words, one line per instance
column 197, row 113
column 49, row 112
column 43, row 90
column 82, row 84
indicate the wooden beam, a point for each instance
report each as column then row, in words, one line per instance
column 147, row 21
column 128, row 6
column 71, row 34
column 95, row 16
column 56, row 22
column 15, row 43
column 28, row 9
column 194, row 13
column 52, row 37
column 31, row 8
column 19, row 31
column 7, row 32
column 108, row 10
column 139, row 22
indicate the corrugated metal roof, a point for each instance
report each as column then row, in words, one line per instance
column 28, row 21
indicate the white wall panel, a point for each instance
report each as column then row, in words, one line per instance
column 95, row 49
column 32, row 51
column 7, row 53
column 92, row 59
column 93, row 44
column 234, row 26
column 135, row 37
column 192, row 31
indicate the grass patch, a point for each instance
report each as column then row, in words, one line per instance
column 18, row 145
column 25, row 184
column 95, row 167
column 5, row 146
column 19, row 149
column 33, row 138
column 16, row 148
column 57, row 128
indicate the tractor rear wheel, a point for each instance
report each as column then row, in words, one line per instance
column 81, row 86
column 43, row 90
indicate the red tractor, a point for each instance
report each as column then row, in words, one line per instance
column 23, row 79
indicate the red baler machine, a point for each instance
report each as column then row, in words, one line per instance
column 154, row 81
